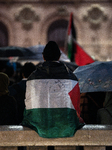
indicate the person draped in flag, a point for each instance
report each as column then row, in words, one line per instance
column 52, row 97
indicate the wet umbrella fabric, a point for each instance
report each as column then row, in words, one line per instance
column 14, row 51
column 95, row 77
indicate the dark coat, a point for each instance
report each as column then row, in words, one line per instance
column 18, row 90
column 52, row 70
column 104, row 115
column 8, row 110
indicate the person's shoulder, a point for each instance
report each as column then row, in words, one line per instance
column 32, row 76
column 69, row 72
column 13, row 89
column 37, row 73
column 8, row 98
column 72, row 75
column 101, row 111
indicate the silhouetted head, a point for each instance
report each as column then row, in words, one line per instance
column 51, row 51
column 27, row 69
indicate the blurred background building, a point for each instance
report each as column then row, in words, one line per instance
column 32, row 22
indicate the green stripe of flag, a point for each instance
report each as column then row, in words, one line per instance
column 52, row 123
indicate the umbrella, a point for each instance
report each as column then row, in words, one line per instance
column 38, row 49
column 14, row 51
column 95, row 77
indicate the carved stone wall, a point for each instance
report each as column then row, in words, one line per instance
column 26, row 15
column 28, row 22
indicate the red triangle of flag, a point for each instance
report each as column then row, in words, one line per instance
column 81, row 57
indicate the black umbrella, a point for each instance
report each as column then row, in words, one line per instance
column 38, row 49
column 14, row 51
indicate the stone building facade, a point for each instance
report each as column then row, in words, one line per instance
column 30, row 22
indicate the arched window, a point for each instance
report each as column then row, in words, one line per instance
column 57, row 32
column 3, row 35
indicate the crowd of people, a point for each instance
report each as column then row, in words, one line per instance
column 47, row 97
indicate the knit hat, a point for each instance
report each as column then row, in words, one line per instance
column 51, row 51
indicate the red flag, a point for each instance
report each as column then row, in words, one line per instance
column 76, row 52
column 81, row 57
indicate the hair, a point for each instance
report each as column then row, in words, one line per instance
column 27, row 69
column 51, row 51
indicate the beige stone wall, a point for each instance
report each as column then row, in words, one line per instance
column 92, row 22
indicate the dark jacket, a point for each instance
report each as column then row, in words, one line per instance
column 53, row 70
column 104, row 115
column 8, row 110
column 18, row 90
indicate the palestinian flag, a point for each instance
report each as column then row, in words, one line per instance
column 52, row 104
column 75, row 51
